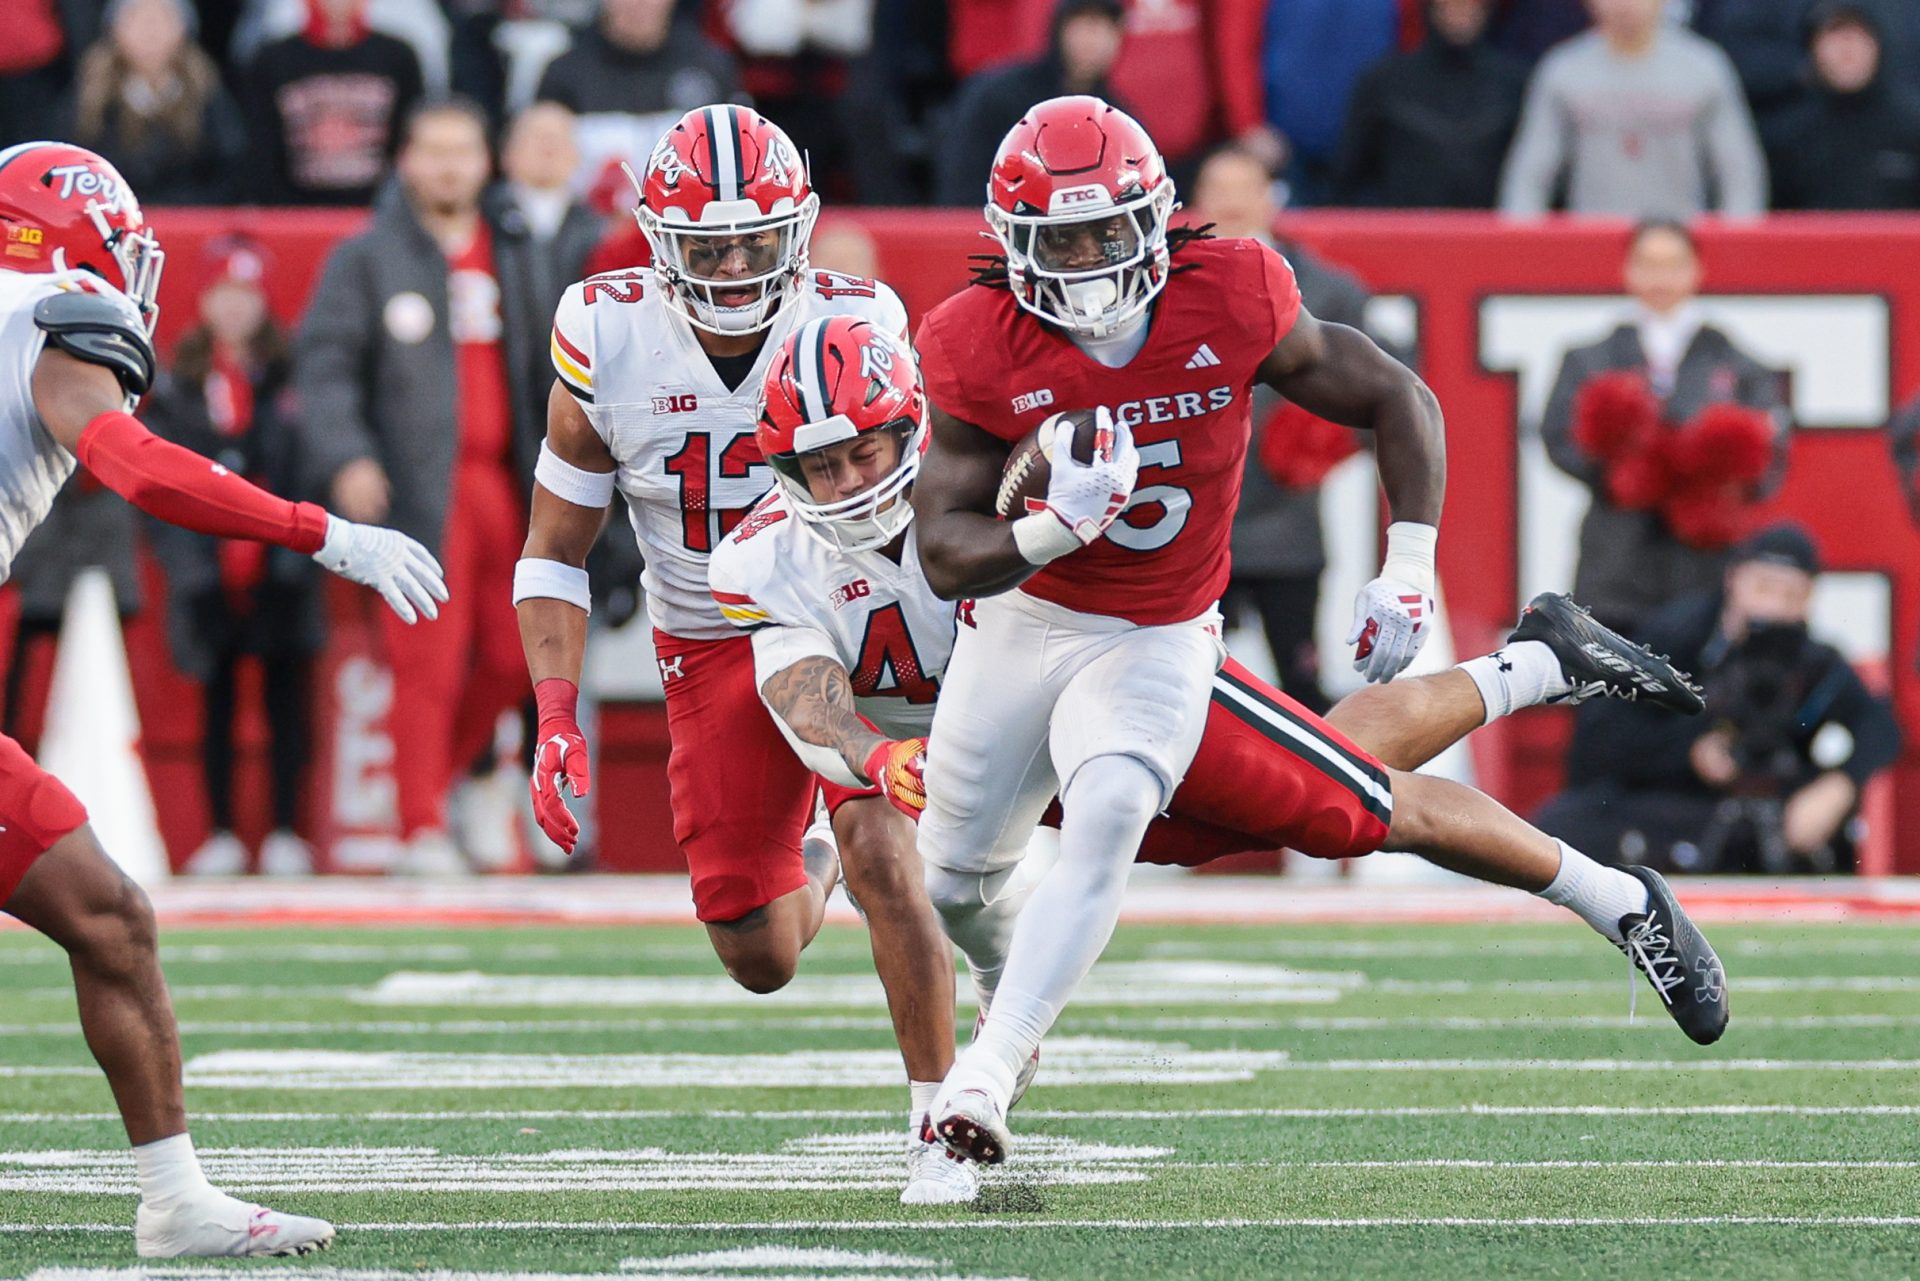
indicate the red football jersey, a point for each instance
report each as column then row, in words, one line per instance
column 1185, row 395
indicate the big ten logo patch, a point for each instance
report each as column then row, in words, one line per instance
column 1026, row 402
column 858, row 589
column 25, row 242
column 679, row 403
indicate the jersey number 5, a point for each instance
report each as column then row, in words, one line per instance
column 702, row 525
column 1138, row 529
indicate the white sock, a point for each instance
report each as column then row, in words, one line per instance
column 1070, row 914
column 1524, row 674
column 922, row 1093
column 169, row 1172
column 1597, row 894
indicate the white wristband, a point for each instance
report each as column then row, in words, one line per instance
column 1042, row 538
column 536, row 579
column 576, row 485
column 1409, row 557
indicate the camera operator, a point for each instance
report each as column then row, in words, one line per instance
column 1790, row 737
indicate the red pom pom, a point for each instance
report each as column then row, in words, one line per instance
column 1711, row 518
column 1641, row 480
column 1298, row 449
column 1725, row 443
column 1614, row 414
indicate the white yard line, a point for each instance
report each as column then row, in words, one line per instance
column 1048, row 1114
column 1134, row 1225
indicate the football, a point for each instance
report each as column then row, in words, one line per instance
column 1028, row 470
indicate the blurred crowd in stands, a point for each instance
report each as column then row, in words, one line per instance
column 1642, row 107
column 1656, row 110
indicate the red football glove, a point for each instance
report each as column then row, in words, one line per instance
column 898, row 768
column 559, row 759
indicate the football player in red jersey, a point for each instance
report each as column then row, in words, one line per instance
column 1088, row 669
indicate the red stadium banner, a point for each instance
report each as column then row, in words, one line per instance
column 1834, row 301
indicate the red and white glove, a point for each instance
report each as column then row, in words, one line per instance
column 559, row 761
column 898, row 768
column 1083, row 499
column 1395, row 613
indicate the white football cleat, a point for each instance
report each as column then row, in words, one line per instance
column 216, row 1226
column 432, row 854
column 936, row 1176
column 1027, row 1070
column 971, row 1120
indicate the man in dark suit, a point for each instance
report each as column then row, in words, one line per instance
column 1631, row 561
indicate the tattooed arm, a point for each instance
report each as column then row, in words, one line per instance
column 812, row 702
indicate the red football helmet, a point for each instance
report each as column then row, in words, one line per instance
column 725, row 181
column 836, row 379
column 1080, row 199
column 65, row 208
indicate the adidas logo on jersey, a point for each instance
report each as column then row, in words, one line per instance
column 1203, row 358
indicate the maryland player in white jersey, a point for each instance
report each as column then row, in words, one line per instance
column 657, row 391
column 79, row 273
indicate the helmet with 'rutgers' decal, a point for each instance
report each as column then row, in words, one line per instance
column 1080, row 198
column 834, row 380
column 65, row 208
column 726, row 181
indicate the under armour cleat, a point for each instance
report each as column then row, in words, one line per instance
column 1027, row 1069
column 1601, row 663
column 1663, row 944
column 936, row 1176
column 973, row 1125
column 216, row 1226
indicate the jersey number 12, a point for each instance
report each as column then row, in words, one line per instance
column 703, row 525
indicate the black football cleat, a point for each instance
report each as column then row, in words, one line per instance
column 1663, row 944
column 1600, row 662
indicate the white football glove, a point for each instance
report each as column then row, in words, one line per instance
column 1391, row 621
column 405, row 574
column 1082, row 498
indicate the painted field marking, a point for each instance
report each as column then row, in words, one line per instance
column 1128, row 1225
column 829, row 1162
column 1049, row 1114
column 767, row 1262
column 1070, row 1060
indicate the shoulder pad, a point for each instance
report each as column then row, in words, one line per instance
column 101, row 331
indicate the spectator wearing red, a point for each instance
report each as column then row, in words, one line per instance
column 326, row 107
column 1678, row 432
column 1189, row 69
column 227, row 398
column 44, row 39
column 150, row 100
column 414, row 367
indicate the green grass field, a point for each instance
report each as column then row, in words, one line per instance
column 1413, row 1101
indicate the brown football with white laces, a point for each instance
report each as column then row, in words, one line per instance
column 1028, row 470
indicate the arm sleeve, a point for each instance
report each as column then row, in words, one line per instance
column 332, row 363
column 1733, row 147
column 1539, row 149
column 1556, row 423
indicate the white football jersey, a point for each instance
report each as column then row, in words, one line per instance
column 33, row 466
column 688, row 463
column 775, row 578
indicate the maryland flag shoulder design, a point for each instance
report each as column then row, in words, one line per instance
column 741, row 611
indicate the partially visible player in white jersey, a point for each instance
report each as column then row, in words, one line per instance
column 78, row 278
column 657, row 390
